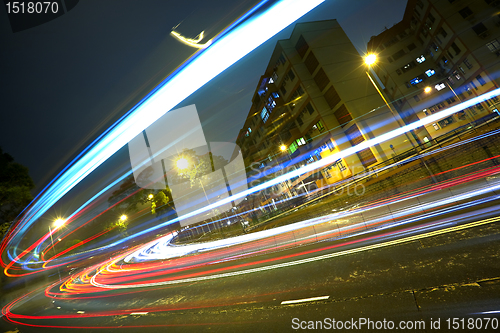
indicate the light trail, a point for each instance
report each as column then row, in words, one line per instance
column 190, row 41
column 115, row 277
column 234, row 43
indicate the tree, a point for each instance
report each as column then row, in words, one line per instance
column 198, row 165
column 15, row 186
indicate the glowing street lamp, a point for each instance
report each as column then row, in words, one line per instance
column 182, row 163
column 123, row 217
column 371, row 59
column 282, row 147
column 427, row 90
column 57, row 224
column 150, row 196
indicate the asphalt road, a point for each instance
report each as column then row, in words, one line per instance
column 454, row 274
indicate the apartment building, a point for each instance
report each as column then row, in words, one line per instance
column 442, row 53
column 315, row 99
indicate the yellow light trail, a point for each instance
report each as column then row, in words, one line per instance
column 306, row 260
column 190, row 41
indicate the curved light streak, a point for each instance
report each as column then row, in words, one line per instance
column 190, row 41
column 233, row 45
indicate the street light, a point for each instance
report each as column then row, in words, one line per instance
column 282, row 147
column 370, row 60
column 123, row 217
column 182, row 163
column 57, row 224
column 150, row 196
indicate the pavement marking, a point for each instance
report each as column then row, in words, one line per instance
column 312, row 299
column 138, row 313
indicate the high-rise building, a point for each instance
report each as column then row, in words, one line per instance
column 442, row 53
column 315, row 99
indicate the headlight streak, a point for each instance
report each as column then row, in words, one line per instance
column 426, row 207
column 208, row 63
column 96, row 280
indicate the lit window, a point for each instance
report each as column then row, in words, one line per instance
column 274, row 77
column 301, row 141
column 276, row 95
column 264, row 114
column 416, row 80
column 320, row 126
column 493, row 46
column 430, row 72
column 436, row 126
column 439, row 86
column 271, row 80
column 421, row 59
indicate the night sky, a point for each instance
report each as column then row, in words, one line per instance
column 66, row 81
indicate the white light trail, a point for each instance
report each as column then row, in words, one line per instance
column 206, row 65
column 301, row 261
column 312, row 299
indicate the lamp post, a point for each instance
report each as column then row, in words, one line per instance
column 370, row 60
column 183, row 164
column 57, row 224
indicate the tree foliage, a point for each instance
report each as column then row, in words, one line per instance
column 15, row 186
column 199, row 165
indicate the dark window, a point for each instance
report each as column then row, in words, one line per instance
column 431, row 18
column 291, row 75
column 282, row 59
column 332, row 98
column 299, row 120
column 311, row 62
column 398, row 54
column 411, row 46
column 390, row 59
column 443, row 32
column 455, row 48
column 466, row 12
column 467, row 63
column 343, row 116
column 480, row 79
column 479, row 29
column 309, row 108
column 283, row 89
column 301, row 46
column 354, row 135
column 366, row 156
column 321, row 79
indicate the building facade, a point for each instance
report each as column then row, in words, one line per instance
column 315, row 99
column 442, row 53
